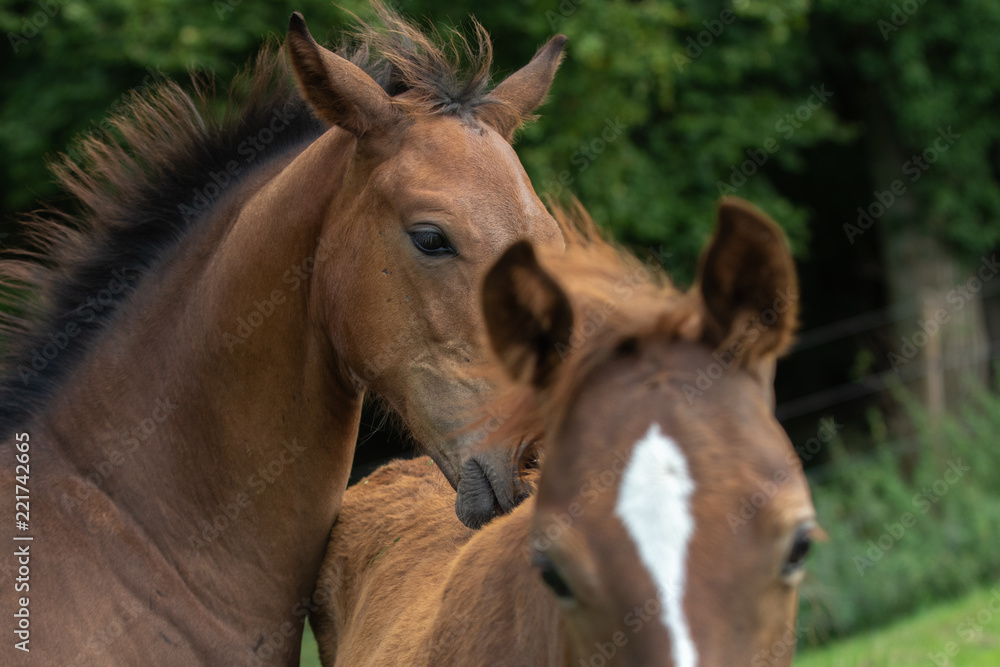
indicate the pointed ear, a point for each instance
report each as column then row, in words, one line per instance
column 523, row 91
column 528, row 316
column 339, row 91
column 748, row 286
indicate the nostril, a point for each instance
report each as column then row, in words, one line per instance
column 504, row 483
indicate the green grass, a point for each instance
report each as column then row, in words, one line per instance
column 906, row 643
column 913, row 641
column 310, row 651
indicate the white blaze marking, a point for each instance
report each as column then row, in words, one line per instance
column 654, row 504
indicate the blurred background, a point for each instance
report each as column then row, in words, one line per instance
column 869, row 130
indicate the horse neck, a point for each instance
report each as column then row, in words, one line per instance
column 215, row 394
column 514, row 615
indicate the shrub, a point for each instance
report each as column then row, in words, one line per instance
column 914, row 521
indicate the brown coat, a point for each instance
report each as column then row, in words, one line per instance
column 404, row 582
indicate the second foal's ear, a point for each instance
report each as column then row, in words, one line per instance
column 748, row 286
column 339, row 91
column 529, row 318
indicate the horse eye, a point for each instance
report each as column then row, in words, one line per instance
column 551, row 577
column 431, row 242
column 797, row 556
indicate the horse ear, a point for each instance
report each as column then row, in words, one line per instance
column 749, row 289
column 529, row 318
column 523, row 91
column 339, row 91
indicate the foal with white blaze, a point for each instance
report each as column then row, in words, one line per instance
column 624, row 555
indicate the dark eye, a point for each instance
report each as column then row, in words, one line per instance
column 796, row 559
column 432, row 242
column 551, row 576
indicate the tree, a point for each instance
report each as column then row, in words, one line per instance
column 925, row 81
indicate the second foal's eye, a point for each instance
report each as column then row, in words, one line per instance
column 796, row 558
column 551, row 576
column 432, row 241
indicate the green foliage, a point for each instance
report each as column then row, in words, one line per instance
column 918, row 67
column 697, row 85
column 875, row 566
column 70, row 64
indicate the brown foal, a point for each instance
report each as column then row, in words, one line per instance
column 624, row 555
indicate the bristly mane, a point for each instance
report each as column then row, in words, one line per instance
column 137, row 194
column 448, row 75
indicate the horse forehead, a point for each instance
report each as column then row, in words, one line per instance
column 463, row 153
column 441, row 133
column 654, row 504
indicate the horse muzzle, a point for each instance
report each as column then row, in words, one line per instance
column 488, row 485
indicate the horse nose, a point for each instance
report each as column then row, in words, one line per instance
column 476, row 503
column 488, row 486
